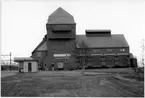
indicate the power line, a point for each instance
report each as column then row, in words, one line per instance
column 142, row 52
column 4, row 61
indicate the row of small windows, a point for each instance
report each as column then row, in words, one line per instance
column 94, row 50
column 109, row 50
column 122, row 49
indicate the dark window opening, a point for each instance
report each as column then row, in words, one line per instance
column 29, row 67
column 61, row 31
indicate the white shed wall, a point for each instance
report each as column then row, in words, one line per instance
column 25, row 66
column 34, row 66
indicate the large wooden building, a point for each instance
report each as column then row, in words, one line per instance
column 58, row 45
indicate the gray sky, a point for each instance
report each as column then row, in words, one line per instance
column 24, row 21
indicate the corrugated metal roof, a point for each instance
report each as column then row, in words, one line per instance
column 17, row 59
column 60, row 16
column 115, row 40
column 41, row 43
column 98, row 33
column 108, row 31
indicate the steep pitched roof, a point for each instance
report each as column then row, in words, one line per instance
column 42, row 46
column 60, row 16
column 18, row 59
column 115, row 40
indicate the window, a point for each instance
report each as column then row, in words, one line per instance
column 61, row 31
column 109, row 49
column 95, row 50
column 122, row 50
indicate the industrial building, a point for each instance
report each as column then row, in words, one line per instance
column 61, row 44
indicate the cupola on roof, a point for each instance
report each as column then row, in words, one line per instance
column 60, row 16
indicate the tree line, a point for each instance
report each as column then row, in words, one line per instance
column 8, row 67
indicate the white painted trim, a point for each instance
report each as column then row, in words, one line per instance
column 61, row 58
column 61, row 55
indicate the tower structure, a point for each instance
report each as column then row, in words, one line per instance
column 61, row 32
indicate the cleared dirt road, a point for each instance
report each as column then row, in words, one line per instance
column 70, row 84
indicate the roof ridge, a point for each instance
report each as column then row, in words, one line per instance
column 55, row 13
column 117, row 40
column 60, row 16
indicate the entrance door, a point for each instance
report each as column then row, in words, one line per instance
column 29, row 67
column 60, row 64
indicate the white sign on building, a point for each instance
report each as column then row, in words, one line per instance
column 62, row 55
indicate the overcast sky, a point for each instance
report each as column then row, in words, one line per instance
column 24, row 21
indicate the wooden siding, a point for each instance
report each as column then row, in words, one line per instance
column 110, row 60
column 43, row 47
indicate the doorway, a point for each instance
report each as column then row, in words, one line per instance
column 29, row 67
column 60, row 65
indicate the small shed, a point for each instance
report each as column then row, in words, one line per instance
column 27, row 64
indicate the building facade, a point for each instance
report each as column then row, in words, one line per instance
column 60, row 44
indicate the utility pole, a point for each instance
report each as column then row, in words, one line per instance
column 142, row 52
column 8, row 61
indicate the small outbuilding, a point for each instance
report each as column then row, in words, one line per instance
column 27, row 64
